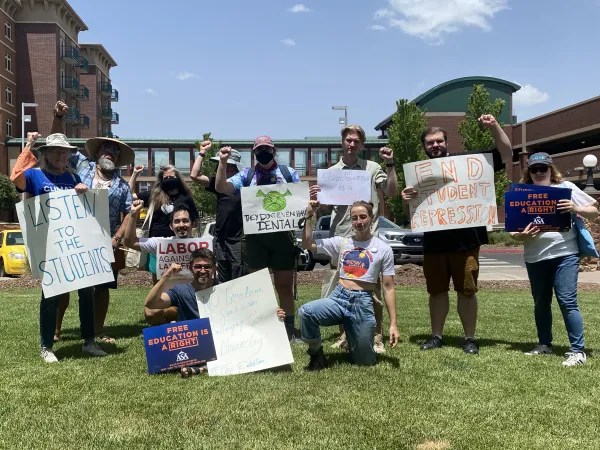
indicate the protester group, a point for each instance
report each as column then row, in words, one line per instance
column 361, row 276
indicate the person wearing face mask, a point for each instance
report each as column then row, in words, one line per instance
column 276, row 250
column 361, row 258
column 552, row 261
column 454, row 254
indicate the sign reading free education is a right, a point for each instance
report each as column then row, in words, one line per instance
column 538, row 205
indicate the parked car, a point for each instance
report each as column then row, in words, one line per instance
column 13, row 256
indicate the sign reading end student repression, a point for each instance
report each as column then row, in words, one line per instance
column 68, row 239
column 453, row 192
column 273, row 207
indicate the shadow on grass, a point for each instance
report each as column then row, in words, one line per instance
column 74, row 351
column 339, row 359
column 114, row 331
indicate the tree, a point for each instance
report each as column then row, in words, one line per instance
column 476, row 137
column 206, row 202
column 408, row 122
column 8, row 194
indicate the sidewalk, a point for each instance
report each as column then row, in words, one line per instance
column 521, row 275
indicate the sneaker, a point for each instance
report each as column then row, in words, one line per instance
column 48, row 355
column 378, row 346
column 432, row 342
column 540, row 349
column 341, row 343
column 91, row 348
column 470, row 346
column 317, row 361
column 574, row 359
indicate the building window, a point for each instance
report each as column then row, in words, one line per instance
column 246, row 157
column 8, row 62
column 9, row 130
column 9, row 95
column 284, row 157
column 141, row 157
column 8, row 30
column 181, row 160
column 160, row 158
column 301, row 161
column 318, row 160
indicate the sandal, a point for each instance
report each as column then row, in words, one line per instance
column 106, row 339
column 187, row 372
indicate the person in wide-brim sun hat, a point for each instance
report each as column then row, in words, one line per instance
column 126, row 154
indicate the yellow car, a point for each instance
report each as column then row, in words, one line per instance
column 13, row 260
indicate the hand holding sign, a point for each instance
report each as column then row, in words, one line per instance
column 81, row 188
column 566, row 206
column 530, row 232
column 409, row 192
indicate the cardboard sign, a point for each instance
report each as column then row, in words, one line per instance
column 537, row 206
column 178, row 251
column 178, row 344
column 248, row 335
column 343, row 187
column 453, row 192
column 68, row 239
column 274, row 207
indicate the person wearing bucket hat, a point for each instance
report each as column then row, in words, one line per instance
column 99, row 170
column 54, row 176
column 229, row 227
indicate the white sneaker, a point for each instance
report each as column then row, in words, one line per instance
column 91, row 348
column 378, row 346
column 574, row 359
column 48, row 355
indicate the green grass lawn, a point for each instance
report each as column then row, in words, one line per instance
column 411, row 399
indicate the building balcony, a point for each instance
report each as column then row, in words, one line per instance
column 105, row 113
column 115, row 118
column 83, row 66
column 84, row 121
column 106, row 89
column 73, row 116
column 70, row 85
column 70, row 54
column 84, row 93
column 114, row 96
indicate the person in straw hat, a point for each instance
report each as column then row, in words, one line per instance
column 99, row 170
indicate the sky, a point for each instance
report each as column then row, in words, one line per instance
column 242, row 68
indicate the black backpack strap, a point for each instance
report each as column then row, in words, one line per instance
column 286, row 173
column 249, row 176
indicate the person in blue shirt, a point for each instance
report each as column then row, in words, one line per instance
column 276, row 250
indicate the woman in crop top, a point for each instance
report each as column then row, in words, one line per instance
column 361, row 259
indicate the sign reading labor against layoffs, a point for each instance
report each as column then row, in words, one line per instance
column 526, row 204
column 179, row 344
column 68, row 239
column 178, row 251
column 247, row 333
column 453, row 192
column 273, row 207
column 343, row 187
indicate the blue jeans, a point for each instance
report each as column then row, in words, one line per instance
column 561, row 274
column 48, row 307
column 353, row 309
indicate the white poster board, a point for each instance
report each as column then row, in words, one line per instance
column 178, row 251
column 453, row 192
column 247, row 333
column 274, row 207
column 343, row 187
column 68, row 239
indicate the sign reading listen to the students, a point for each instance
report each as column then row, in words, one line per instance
column 247, row 333
column 453, row 192
column 273, row 207
column 178, row 251
column 526, row 204
column 68, row 239
column 343, row 187
column 178, row 344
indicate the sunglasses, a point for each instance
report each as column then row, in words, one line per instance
column 539, row 169
column 202, row 266
column 111, row 148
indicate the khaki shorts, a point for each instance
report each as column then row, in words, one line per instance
column 462, row 267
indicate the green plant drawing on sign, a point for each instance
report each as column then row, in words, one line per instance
column 274, row 201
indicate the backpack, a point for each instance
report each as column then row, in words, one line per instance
column 284, row 171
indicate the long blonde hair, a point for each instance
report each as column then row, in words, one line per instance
column 158, row 197
column 555, row 176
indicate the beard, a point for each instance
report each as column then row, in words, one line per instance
column 442, row 152
column 106, row 165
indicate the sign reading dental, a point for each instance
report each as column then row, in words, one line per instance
column 178, row 251
column 68, row 239
column 343, row 187
column 274, row 207
column 453, row 192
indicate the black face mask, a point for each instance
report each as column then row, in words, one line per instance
column 264, row 157
column 169, row 184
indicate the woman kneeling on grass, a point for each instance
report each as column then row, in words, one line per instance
column 361, row 259
column 552, row 260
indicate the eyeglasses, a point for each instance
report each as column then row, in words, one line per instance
column 206, row 267
column 538, row 169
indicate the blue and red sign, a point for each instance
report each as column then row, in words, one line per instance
column 528, row 203
column 179, row 344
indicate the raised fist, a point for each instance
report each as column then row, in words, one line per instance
column 488, row 121
column 136, row 206
column 387, row 154
column 138, row 169
column 224, row 154
column 33, row 136
column 205, row 147
column 61, row 108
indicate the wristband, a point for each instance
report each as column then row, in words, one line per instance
column 389, row 165
column 58, row 116
column 201, row 155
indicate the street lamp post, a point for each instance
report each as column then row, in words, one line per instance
column 23, row 106
column 345, row 109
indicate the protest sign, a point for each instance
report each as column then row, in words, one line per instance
column 527, row 187
column 179, row 344
column 247, row 333
column 343, row 187
column 178, row 251
column 453, row 192
column 273, row 207
column 68, row 239
column 530, row 204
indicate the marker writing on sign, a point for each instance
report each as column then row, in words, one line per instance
column 73, row 210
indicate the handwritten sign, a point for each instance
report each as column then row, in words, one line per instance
column 453, row 192
column 178, row 251
column 273, row 207
column 247, row 333
column 68, row 239
column 180, row 344
column 343, row 187
column 530, row 204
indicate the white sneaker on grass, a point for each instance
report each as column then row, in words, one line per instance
column 574, row 359
column 91, row 348
column 48, row 355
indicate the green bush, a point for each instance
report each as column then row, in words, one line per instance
column 8, row 193
column 502, row 238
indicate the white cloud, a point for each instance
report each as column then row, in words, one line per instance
column 150, row 91
column 289, row 42
column 182, row 76
column 529, row 95
column 299, row 8
column 432, row 20
column 378, row 28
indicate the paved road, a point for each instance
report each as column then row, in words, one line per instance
column 501, row 266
